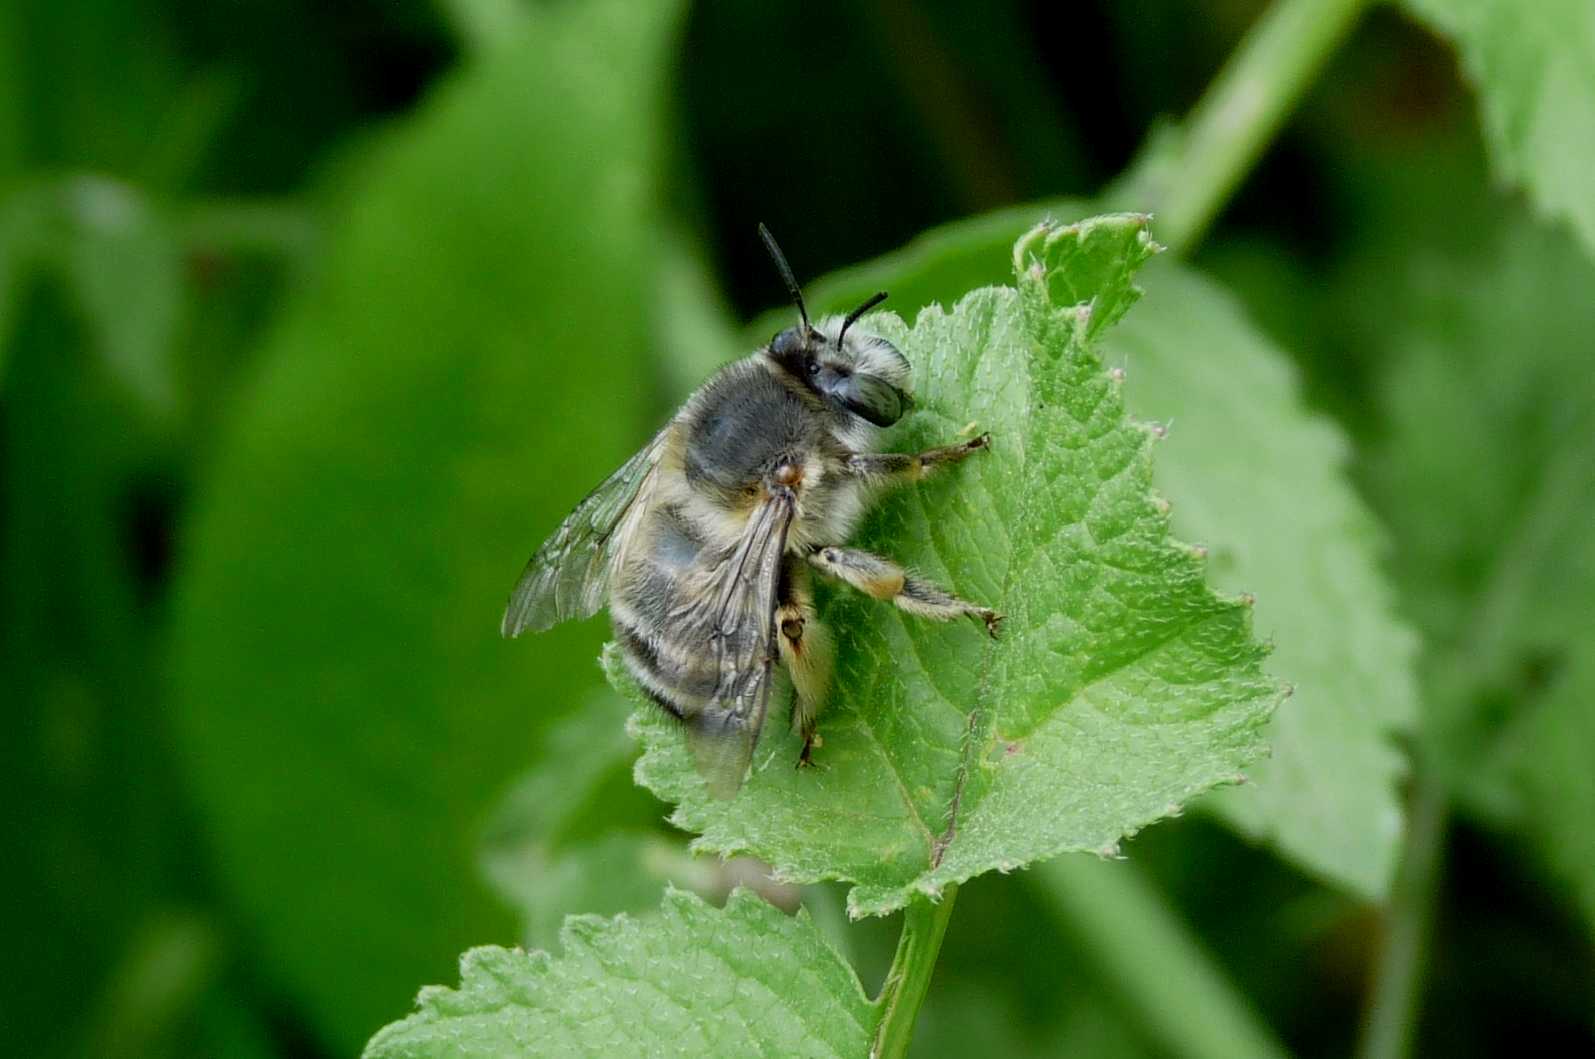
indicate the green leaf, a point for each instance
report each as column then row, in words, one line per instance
column 1549, row 765
column 1262, row 483
column 1533, row 65
column 95, row 839
column 575, row 834
column 694, row 980
column 1488, row 471
column 1123, row 686
column 1487, row 477
column 1283, row 525
column 346, row 709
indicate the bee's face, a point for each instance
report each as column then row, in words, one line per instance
column 862, row 375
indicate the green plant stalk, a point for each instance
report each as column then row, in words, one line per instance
column 1393, row 1001
column 1149, row 958
column 1240, row 113
column 924, row 925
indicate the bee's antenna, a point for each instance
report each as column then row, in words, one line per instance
column 786, row 275
column 869, row 303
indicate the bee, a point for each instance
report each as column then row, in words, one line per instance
column 703, row 543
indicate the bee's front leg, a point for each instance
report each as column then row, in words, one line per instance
column 899, row 468
column 807, row 652
column 884, row 579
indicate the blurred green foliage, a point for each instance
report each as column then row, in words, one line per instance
column 417, row 392
column 314, row 318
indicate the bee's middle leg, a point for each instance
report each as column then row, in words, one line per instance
column 808, row 654
column 884, row 579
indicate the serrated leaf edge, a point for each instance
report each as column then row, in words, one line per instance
column 1081, row 320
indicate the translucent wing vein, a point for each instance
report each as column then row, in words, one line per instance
column 569, row 575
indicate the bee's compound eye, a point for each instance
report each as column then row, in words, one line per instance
column 814, row 367
column 788, row 344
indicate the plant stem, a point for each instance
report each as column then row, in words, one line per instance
column 1180, row 997
column 1234, row 121
column 924, row 924
column 1393, row 1002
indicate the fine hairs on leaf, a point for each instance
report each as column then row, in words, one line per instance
column 691, row 980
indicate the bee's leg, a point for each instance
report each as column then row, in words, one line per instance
column 807, row 652
column 884, row 579
column 899, row 468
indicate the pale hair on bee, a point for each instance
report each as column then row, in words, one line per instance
column 702, row 545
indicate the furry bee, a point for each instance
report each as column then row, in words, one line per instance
column 703, row 542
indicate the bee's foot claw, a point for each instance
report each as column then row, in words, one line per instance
column 993, row 622
column 981, row 441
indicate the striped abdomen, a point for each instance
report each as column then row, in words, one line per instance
column 663, row 613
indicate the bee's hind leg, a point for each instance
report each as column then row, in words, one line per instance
column 808, row 654
column 883, row 579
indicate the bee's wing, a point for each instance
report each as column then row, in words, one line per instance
column 568, row 576
column 741, row 629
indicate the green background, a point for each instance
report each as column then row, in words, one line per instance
column 315, row 318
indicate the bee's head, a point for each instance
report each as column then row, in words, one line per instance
column 857, row 374
column 854, row 372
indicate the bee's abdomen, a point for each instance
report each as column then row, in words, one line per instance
column 660, row 621
column 676, row 666
column 642, row 659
